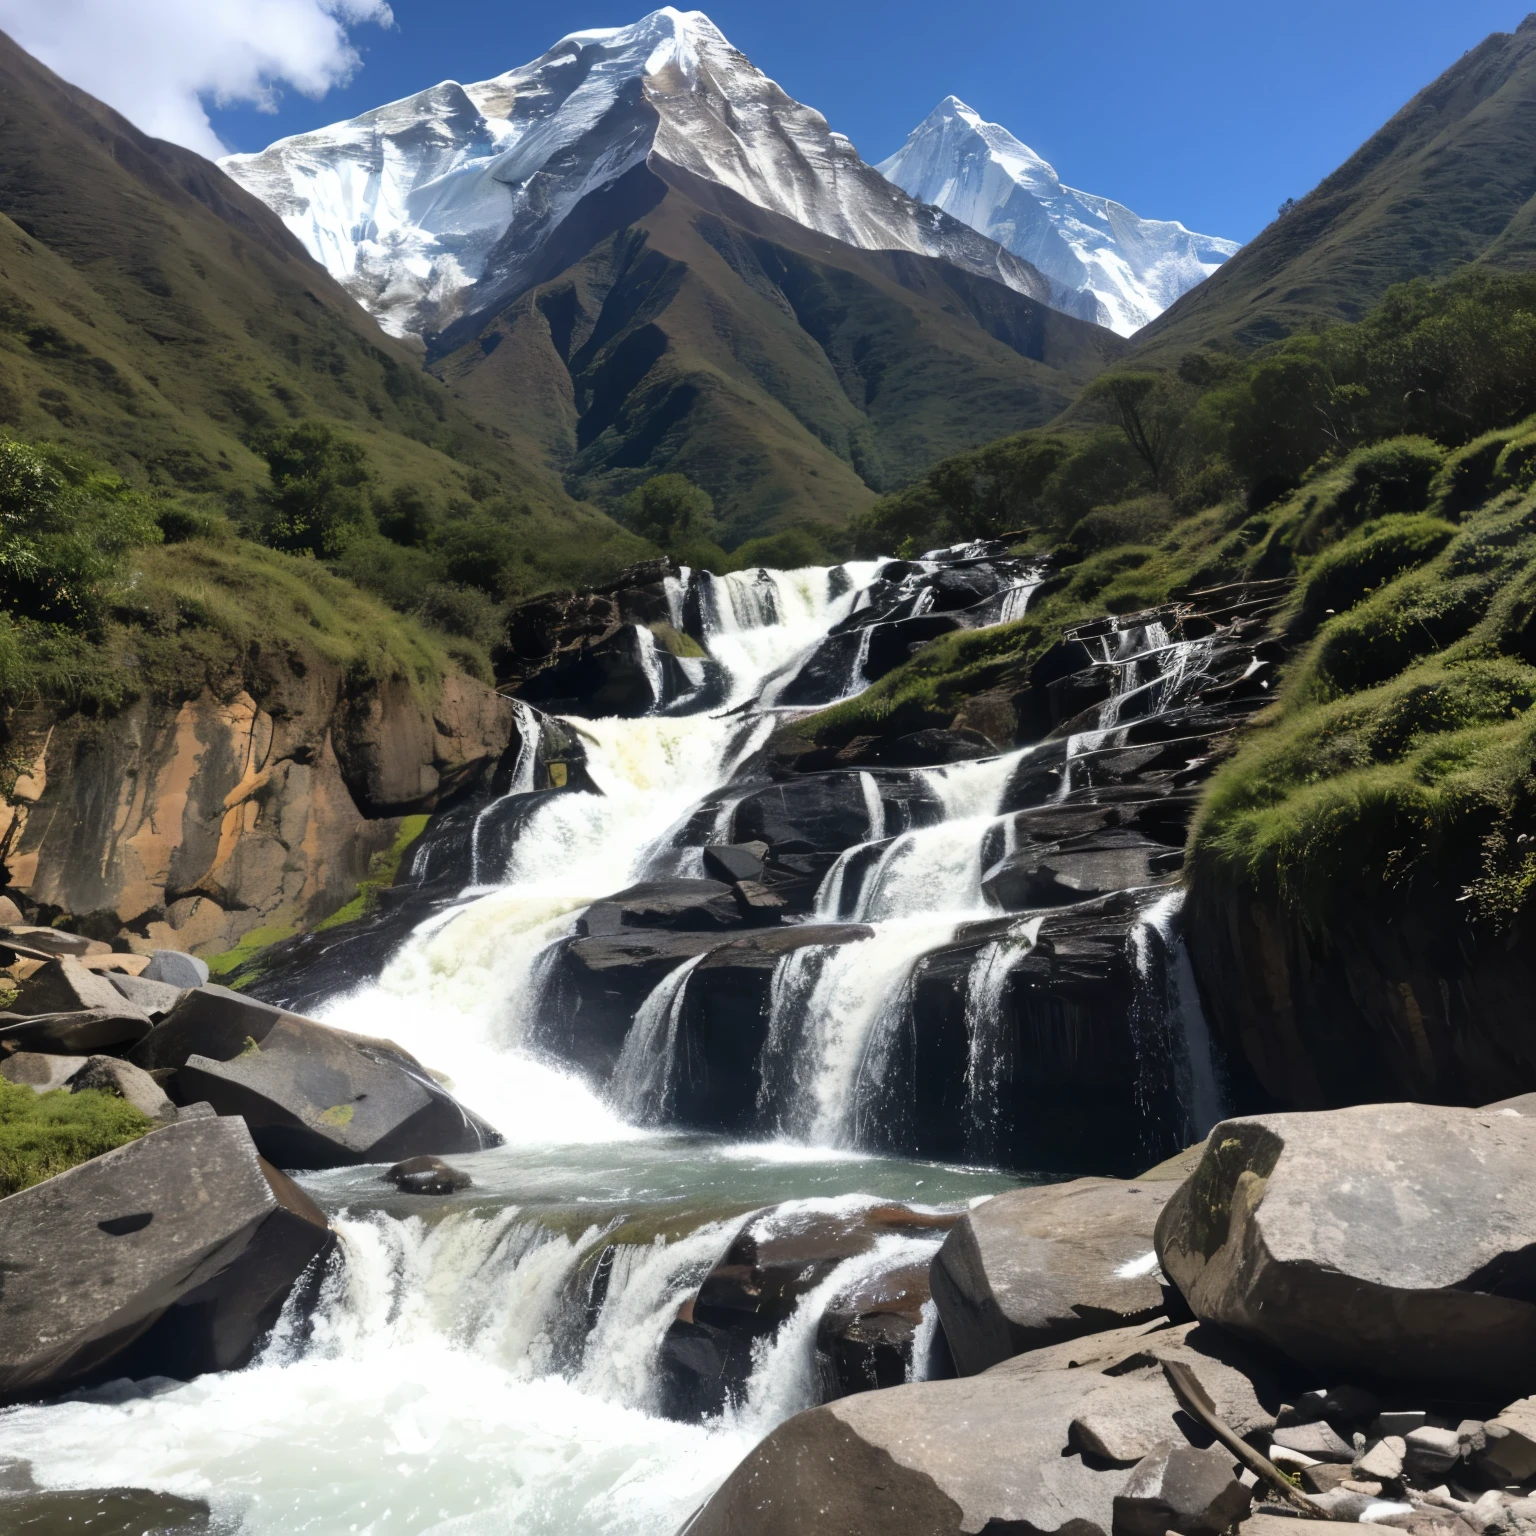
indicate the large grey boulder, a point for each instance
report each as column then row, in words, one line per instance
column 1036, row 1266
column 156, row 998
column 65, row 985
column 92, row 1258
column 172, row 968
column 1388, row 1241
column 41, row 1071
column 77, row 1033
column 313, row 1097
column 998, row 1452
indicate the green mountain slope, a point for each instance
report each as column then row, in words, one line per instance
column 792, row 376
column 155, row 315
column 1450, row 180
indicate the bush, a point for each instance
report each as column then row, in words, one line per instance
column 787, row 551
column 44, row 1134
column 315, row 503
column 670, row 511
column 1378, row 552
column 64, row 529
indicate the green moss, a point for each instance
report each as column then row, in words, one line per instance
column 232, row 961
column 44, row 1134
column 382, row 870
column 1373, row 555
column 675, row 642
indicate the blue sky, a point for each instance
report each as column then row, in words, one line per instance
column 1210, row 113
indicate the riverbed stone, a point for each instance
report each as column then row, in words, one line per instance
column 94, row 1256
column 691, row 906
column 41, row 1071
column 76, row 1033
column 1317, row 1440
column 427, row 1176
column 314, row 1097
column 1509, row 1451
column 315, row 1100
column 1036, row 1266
column 733, row 862
column 156, row 998
column 1388, row 1241
column 65, row 986
column 172, row 968
column 1176, row 1487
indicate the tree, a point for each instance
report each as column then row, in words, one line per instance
column 316, row 501
column 670, row 510
column 1150, row 412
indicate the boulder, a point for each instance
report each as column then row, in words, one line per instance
column 1036, row 1266
column 427, row 1176
column 867, row 1336
column 314, row 1097
column 39, row 1070
column 10, row 914
column 96, row 1255
column 156, row 998
column 774, row 1260
column 1178, row 1488
column 66, row 986
column 1509, row 1452
column 1388, row 1241
column 78, row 1034
column 1077, row 869
column 53, row 941
column 999, row 1452
column 1317, row 1440
column 106, row 1074
column 690, row 906
column 735, row 861
column 173, row 969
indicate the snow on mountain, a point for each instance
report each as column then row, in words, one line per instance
column 441, row 205
column 977, row 171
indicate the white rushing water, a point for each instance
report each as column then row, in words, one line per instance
column 460, row 1374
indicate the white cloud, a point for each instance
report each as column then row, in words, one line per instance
column 157, row 61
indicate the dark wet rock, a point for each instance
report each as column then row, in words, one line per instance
column 107, row 1074
column 735, row 861
column 893, row 645
column 829, row 811
column 775, row 1260
column 1359, row 1242
column 95, row 1256
column 612, row 676
column 427, row 1176
column 929, row 749
column 1178, row 1488
column 156, row 998
column 1032, row 1267
column 689, row 906
column 1087, row 1071
column 174, row 969
column 868, row 1336
column 313, row 1097
column 1078, row 869
column 31, row 1511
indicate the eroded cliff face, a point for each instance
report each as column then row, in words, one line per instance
column 190, row 824
column 1416, row 1006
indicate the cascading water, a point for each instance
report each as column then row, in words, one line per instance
column 491, row 1365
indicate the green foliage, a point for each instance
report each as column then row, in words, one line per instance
column 1371, row 556
column 670, row 511
column 64, row 530
column 48, row 1133
column 315, row 503
column 382, row 870
column 1152, row 410
column 787, row 551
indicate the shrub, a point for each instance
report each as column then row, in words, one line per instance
column 315, row 503
column 44, row 1134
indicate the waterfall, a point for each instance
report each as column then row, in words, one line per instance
column 1168, row 1003
column 643, row 1086
column 988, row 1064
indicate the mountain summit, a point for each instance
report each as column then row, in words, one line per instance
column 444, row 204
column 1126, row 270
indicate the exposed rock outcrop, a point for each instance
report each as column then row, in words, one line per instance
column 186, row 824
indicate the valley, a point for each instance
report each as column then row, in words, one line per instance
column 696, row 837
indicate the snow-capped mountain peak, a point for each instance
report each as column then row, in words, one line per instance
column 1133, row 268
column 445, row 204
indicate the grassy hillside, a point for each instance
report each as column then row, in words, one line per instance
column 790, row 376
column 1449, row 181
column 159, row 319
